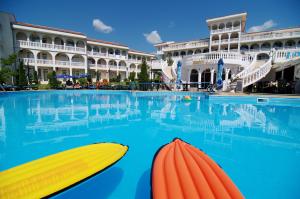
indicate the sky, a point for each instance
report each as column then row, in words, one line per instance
column 140, row 24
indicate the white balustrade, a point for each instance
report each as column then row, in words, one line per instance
column 271, row 35
column 47, row 46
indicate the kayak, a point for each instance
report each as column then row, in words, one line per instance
column 181, row 171
column 48, row 175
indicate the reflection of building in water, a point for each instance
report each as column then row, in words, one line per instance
column 2, row 125
column 221, row 123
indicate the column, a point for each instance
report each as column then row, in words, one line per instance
column 71, row 72
column 226, row 74
column 212, row 76
column 199, row 78
column 229, row 35
column 210, row 38
column 239, row 42
column 219, row 47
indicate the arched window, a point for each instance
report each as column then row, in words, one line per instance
column 101, row 62
column 277, row 45
column 229, row 25
column 61, row 57
column 194, row 77
column 244, row 48
column 214, row 27
column 222, row 26
column 58, row 41
column 266, row 46
column 236, row 24
column 254, row 47
column 197, row 51
column 44, row 55
column 78, row 58
column 190, row 52
column 34, row 37
column 91, row 61
column 117, row 52
column 21, row 36
column 70, row 42
column 182, row 53
column 290, row 44
column 80, row 44
column 175, row 54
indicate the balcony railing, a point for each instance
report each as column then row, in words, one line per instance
column 226, row 29
column 47, row 46
column 269, row 36
column 186, row 46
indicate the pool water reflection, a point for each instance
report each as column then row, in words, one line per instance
column 258, row 145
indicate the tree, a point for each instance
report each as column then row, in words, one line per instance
column 35, row 77
column 10, row 60
column 5, row 75
column 144, row 76
column 83, row 81
column 97, row 76
column 52, row 80
column 131, row 76
column 21, row 79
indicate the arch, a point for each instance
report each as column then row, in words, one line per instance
column 139, row 58
column 103, row 50
column 205, row 78
column 58, row 41
column 96, row 49
column 236, row 24
column 124, row 53
column 117, row 52
column 91, row 61
column 122, row 63
column 21, row 36
column 190, row 52
column 70, row 42
column 263, row 56
column 194, row 77
column 205, row 50
column 266, row 46
column 34, row 37
column 244, row 47
column 221, row 26
column 24, row 53
column 61, row 57
column 111, row 51
column 224, row 36
column 132, row 66
column 44, row 55
column 229, row 24
column 215, row 38
column 254, row 46
column 277, row 44
column 182, row 53
column 290, row 44
column 197, row 51
column 234, row 35
column 88, row 48
column 112, row 62
column 175, row 54
column 77, row 58
column 101, row 62
column 80, row 44
column 46, row 39
column 214, row 27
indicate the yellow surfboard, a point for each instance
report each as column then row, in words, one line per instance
column 50, row 174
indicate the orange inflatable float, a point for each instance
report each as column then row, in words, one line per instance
column 183, row 171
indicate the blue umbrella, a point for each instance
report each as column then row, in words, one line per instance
column 219, row 76
column 65, row 76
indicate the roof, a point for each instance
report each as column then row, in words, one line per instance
column 273, row 30
column 107, row 42
column 243, row 14
column 136, row 51
column 48, row 28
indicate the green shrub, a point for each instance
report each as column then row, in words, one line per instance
column 52, row 80
column 43, row 86
column 83, row 81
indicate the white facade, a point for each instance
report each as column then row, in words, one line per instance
column 46, row 49
column 240, row 51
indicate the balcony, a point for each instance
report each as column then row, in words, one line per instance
column 122, row 68
column 270, row 36
column 225, row 30
column 184, row 46
column 99, row 54
column 46, row 46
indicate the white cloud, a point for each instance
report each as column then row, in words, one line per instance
column 101, row 26
column 265, row 26
column 153, row 37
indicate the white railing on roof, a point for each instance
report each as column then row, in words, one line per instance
column 226, row 30
column 188, row 45
column 270, row 35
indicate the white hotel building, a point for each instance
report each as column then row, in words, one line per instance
column 46, row 49
column 250, row 57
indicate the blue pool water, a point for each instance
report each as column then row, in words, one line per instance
column 257, row 144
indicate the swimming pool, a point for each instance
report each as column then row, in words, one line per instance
column 256, row 143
